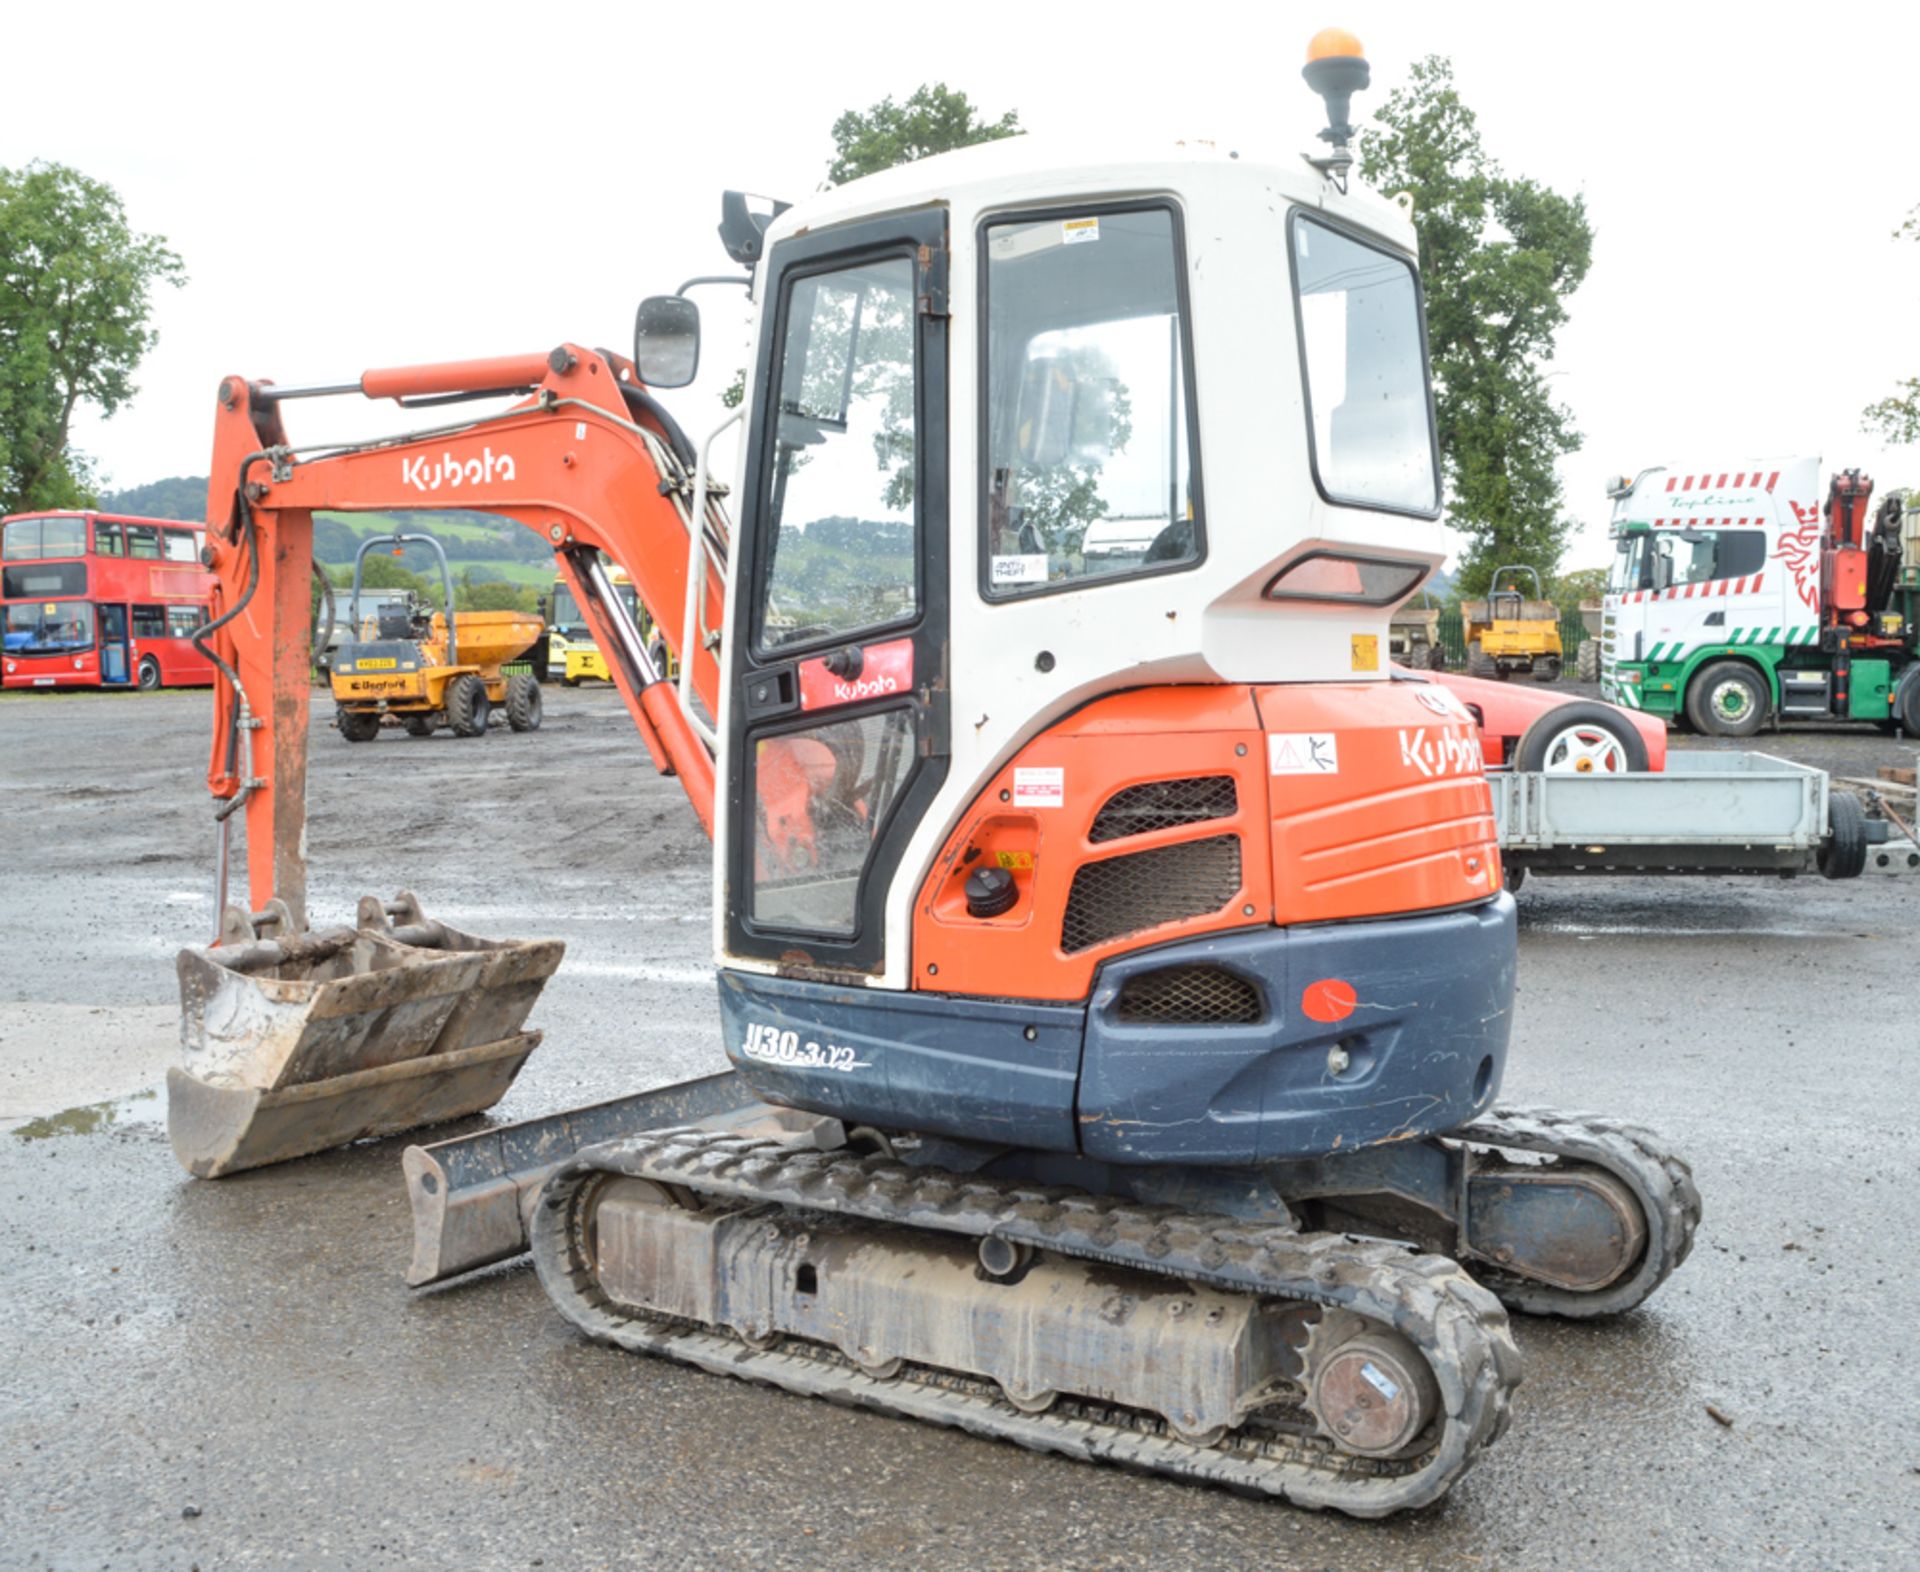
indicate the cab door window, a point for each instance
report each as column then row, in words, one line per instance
column 841, row 512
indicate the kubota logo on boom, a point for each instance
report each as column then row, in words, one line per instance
column 449, row 470
column 1453, row 751
column 1799, row 549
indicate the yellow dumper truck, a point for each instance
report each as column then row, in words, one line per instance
column 1506, row 632
column 424, row 669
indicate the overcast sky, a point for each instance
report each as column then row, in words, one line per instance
column 361, row 185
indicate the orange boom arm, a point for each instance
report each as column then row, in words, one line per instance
column 586, row 460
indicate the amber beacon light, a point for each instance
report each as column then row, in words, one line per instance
column 1336, row 70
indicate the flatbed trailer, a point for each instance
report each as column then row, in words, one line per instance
column 1704, row 813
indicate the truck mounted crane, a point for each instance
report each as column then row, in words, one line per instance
column 1114, row 964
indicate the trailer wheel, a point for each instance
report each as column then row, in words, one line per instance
column 523, row 703
column 1728, row 699
column 1845, row 854
column 467, row 705
column 1581, row 738
column 358, row 725
column 1512, row 875
column 1480, row 663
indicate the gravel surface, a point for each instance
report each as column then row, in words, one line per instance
column 231, row 1374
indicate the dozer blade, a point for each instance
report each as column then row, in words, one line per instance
column 312, row 1040
column 473, row 1195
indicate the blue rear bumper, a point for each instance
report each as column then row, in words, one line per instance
column 1421, row 1050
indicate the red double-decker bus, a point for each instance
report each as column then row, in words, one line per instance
column 89, row 600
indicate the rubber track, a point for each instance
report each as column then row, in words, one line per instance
column 1659, row 1178
column 1459, row 1326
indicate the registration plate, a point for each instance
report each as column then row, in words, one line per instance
column 375, row 665
column 43, row 682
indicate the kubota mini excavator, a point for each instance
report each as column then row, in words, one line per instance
column 1114, row 963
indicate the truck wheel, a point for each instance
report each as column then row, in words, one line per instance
column 467, row 705
column 523, row 703
column 1845, row 854
column 149, row 675
column 1586, row 664
column 1727, row 699
column 1581, row 738
column 1906, row 708
column 358, row 725
column 419, row 726
column 1512, row 875
column 1546, row 668
column 1480, row 663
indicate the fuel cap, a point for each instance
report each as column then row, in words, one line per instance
column 990, row 892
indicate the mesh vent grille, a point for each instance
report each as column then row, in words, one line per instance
column 1164, row 805
column 1143, row 889
column 1189, row 996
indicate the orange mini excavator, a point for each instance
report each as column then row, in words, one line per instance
column 1114, row 964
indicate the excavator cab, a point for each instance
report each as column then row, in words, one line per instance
column 1114, row 962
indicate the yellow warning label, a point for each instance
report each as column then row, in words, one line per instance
column 1014, row 859
column 1366, row 652
column 388, row 665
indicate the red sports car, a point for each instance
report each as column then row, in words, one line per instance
column 1525, row 729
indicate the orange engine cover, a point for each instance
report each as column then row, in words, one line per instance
column 1169, row 812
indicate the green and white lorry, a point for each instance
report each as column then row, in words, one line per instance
column 1737, row 596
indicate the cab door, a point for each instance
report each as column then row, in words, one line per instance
column 838, row 735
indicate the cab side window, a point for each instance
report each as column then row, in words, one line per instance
column 1089, row 441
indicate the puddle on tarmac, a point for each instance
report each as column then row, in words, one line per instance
column 87, row 1119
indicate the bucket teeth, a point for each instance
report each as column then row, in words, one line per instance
column 303, row 1041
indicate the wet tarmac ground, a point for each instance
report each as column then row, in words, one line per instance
column 232, row 1374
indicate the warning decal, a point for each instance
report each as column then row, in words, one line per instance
column 1042, row 787
column 1078, row 231
column 1303, row 753
column 1366, row 652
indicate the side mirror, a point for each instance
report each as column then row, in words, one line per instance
column 666, row 341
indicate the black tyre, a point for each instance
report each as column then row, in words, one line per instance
column 147, row 674
column 1480, row 663
column 657, row 653
column 467, row 705
column 523, row 703
column 420, row 725
column 1514, row 877
column 1906, row 703
column 1586, row 662
column 1581, row 738
column 571, row 682
column 1546, row 668
column 358, row 725
column 1845, row 854
column 1436, row 657
column 1728, row 699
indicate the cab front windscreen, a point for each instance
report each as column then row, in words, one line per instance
column 49, row 627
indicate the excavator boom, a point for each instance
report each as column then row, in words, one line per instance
column 584, row 458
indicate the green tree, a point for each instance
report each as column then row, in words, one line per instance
column 76, row 286
column 865, row 141
column 1896, row 419
column 1499, row 256
column 934, row 120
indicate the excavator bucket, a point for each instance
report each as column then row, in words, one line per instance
column 311, row 1040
